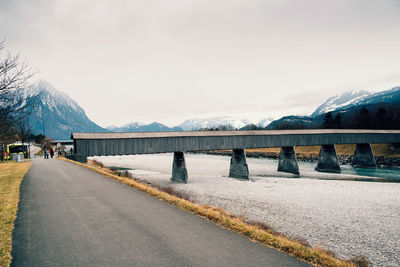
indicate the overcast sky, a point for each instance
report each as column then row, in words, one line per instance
column 168, row 61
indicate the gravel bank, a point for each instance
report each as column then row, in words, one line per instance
column 381, row 161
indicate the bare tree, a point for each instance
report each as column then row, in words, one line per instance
column 14, row 75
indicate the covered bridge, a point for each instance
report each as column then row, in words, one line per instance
column 104, row 144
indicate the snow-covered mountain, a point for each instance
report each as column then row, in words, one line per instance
column 141, row 127
column 355, row 99
column 55, row 113
column 236, row 122
column 340, row 101
column 348, row 104
column 128, row 127
column 388, row 97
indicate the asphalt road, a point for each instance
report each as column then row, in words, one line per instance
column 71, row 216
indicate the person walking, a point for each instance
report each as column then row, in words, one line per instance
column 46, row 154
column 51, row 152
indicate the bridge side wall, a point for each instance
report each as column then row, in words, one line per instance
column 98, row 147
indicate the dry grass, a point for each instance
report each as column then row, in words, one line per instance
column 11, row 175
column 258, row 233
column 171, row 191
column 97, row 163
column 361, row 261
column 347, row 149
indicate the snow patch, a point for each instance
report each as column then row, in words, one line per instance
column 342, row 100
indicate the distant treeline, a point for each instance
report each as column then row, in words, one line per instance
column 378, row 118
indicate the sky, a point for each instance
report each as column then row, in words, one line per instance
column 168, row 61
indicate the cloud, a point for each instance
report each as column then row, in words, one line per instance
column 155, row 60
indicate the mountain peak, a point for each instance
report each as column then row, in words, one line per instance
column 55, row 114
column 351, row 99
column 48, row 93
column 341, row 100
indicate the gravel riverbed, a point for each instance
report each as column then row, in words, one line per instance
column 350, row 218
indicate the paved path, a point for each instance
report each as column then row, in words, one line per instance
column 71, row 216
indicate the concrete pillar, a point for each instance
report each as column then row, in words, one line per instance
column 288, row 160
column 82, row 159
column 363, row 156
column 327, row 160
column 239, row 167
column 179, row 172
column 79, row 158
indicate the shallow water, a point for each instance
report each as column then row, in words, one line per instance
column 392, row 174
column 348, row 217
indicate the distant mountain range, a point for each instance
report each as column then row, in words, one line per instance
column 235, row 122
column 141, row 127
column 57, row 115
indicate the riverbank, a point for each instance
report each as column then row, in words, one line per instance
column 385, row 154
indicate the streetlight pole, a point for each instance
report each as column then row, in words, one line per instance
column 29, row 137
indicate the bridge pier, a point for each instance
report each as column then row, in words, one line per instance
column 288, row 160
column 179, row 172
column 78, row 158
column 327, row 159
column 363, row 156
column 82, row 159
column 239, row 168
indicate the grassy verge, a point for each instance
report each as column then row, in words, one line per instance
column 11, row 175
column 256, row 232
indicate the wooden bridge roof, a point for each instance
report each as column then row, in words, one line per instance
column 127, row 135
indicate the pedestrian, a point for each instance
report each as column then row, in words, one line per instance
column 46, row 154
column 51, row 152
